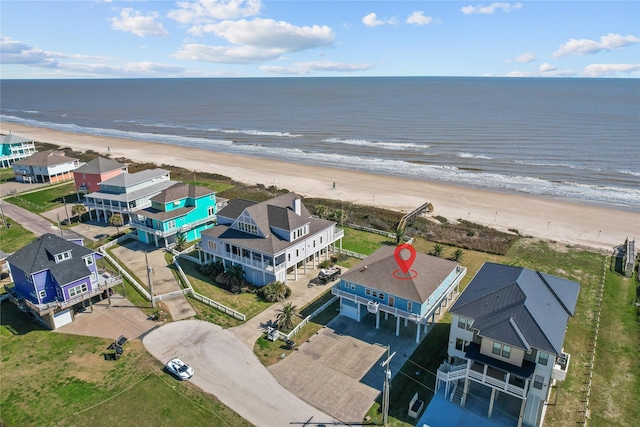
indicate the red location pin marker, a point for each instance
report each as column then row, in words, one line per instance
column 404, row 261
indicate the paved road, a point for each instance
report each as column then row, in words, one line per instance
column 226, row 368
column 30, row 221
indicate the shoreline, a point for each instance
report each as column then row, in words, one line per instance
column 591, row 225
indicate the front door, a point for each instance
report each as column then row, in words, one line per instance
column 392, row 301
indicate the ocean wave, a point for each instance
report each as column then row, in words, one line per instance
column 377, row 144
column 260, row 132
column 628, row 172
column 474, row 156
column 558, row 165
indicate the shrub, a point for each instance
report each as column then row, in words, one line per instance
column 275, row 291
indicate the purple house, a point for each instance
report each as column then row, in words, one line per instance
column 54, row 277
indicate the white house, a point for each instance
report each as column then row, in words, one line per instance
column 269, row 239
column 14, row 148
column 507, row 334
column 46, row 166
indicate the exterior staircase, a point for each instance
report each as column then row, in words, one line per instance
column 458, row 391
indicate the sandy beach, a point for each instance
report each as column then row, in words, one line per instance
column 567, row 222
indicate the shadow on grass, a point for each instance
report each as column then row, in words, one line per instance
column 18, row 322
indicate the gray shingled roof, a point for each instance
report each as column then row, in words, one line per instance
column 39, row 255
column 46, row 158
column 100, row 165
column 133, row 195
column 518, row 306
column 129, row 179
column 179, row 191
column 376, row 272
column 159, row 215
column 277, row 212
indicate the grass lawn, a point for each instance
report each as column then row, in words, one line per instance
column 615, row 391
column 246, row 303
column 52, row 379
column 14, row 237
column 47, row 198
column 363, row 242
column 6, row 175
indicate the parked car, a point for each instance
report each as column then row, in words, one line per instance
column 179, row 369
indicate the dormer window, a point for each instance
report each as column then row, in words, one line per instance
column 62, row 256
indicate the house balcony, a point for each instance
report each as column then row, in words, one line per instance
column 105, row 282
column 375, row 306
column 261, row 265
column 560, row 367
column 141, row 225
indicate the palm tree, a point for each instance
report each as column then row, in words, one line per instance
column 116, row 221
column 437, row 250
column 78, row 210
column 274, row 291
column 457, row 255
column 339, row 216
column 234, row 276
column 285, row 316
column 181, row 241
column 320, row 211
column 399, row 234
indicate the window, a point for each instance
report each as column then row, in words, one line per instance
column 409, row 306
column 464, row 323
column 506, row 351
column 320, row 239
column 43, row 293
column 77, row 290
column 171, row 224
column 543, row 358
column 211, row 211
column 367, row 292
column 297, row 253
column 353, row 286
column 94, row 277
column 88, row 261
column 497, row 348
column 459, row 344
column 212, row 245
column 538, row 381
column 381, row 295
column 63, row 256
column 501, row 350
column 246, row 253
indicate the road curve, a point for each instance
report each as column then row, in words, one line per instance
column 226, row 368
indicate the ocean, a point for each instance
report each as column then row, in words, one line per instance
column 573, row 139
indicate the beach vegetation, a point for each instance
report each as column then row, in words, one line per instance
column 181, row 241
column 233, row 278
column 457, row 255
column 63, row 379
column 320, row 211
column 437, row 250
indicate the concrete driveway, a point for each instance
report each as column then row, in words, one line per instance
column 132, row 254
column 121, row 318
column 338, row 370
column 226, row 368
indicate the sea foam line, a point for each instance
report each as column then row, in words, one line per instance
column 377, row 144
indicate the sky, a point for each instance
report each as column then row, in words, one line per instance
column 317, row 38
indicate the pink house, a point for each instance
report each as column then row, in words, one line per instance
column 89, row 176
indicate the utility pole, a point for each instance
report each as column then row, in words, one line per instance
column 149, row 271
column 64, row 200
column 59, row 226
column 385, row 390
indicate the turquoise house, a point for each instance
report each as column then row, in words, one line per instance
column 180, row 210
column 378, row 286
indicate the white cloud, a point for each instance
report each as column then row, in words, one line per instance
column 546, row 67
column 491, row 9
column 418, row 18
column 227, row 54
column 599, row 70
column 68, row 65
column 524, row 58
column 585, row 46
column 132, row 21
column 303, row 68
column 208, row 11
column 270, row 34
column 371, row 20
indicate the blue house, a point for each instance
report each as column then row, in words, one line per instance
column 377, row 285
column 52, row 275
column 182, row 209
